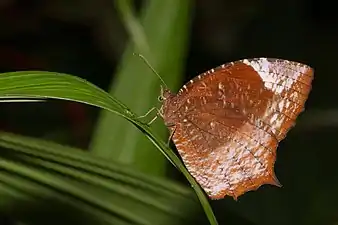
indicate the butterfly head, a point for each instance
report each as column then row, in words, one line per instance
column 168, row 108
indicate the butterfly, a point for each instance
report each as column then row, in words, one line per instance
column 227, row 122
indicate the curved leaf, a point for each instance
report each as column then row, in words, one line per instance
column 37, row 84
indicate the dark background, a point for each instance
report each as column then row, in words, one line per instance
column 72, row 37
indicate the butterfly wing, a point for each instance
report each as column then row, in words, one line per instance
column 232, row 118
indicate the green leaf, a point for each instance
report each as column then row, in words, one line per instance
column 35, row 168
column 36, row 84
column 160, row 36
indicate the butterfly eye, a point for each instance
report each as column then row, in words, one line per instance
column 160, row 98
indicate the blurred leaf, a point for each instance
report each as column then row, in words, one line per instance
column 163, row 43
column 35, row 169
column 36, row 84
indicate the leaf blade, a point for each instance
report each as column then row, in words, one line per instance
column 75, row 89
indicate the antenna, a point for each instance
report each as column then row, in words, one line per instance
column 154, row 71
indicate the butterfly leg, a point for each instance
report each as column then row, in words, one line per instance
column 151, row 121
column 145, row 115
column 171, row 136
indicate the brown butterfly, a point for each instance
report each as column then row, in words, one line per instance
column 227, row 122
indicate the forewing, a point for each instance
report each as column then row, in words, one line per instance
column 273, row 91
